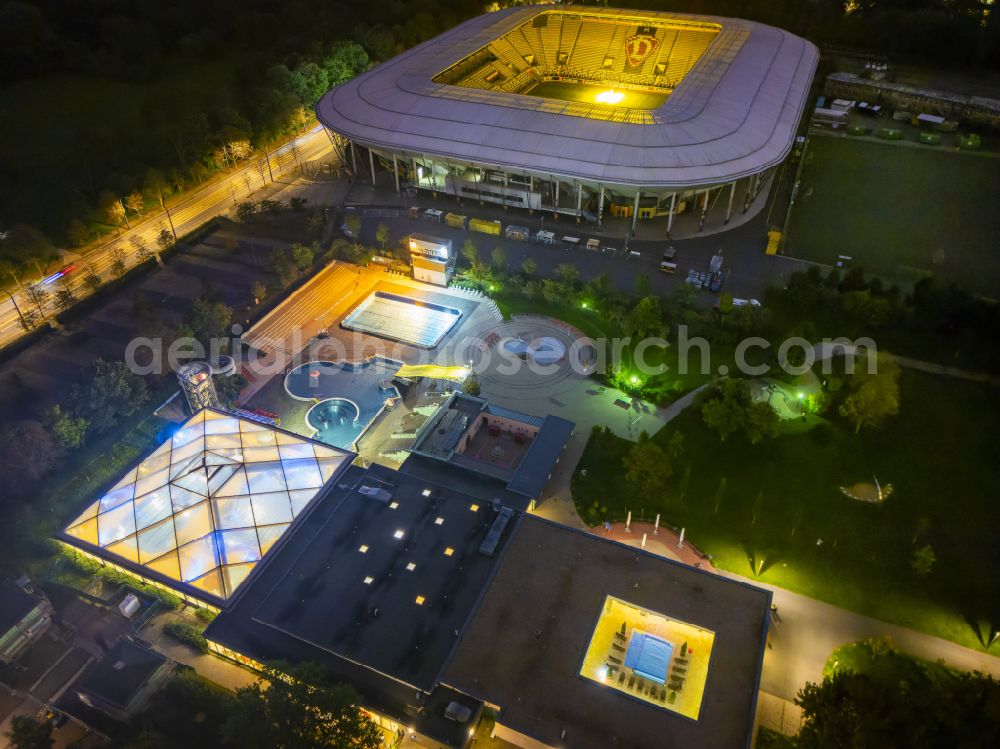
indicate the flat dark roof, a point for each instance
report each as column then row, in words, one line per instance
column 524, row 647
column 121, row 673
column 542, row 456
column 311, row 601
column 15, row 604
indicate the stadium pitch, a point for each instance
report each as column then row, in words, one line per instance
column 592, row 92
column 900, row 211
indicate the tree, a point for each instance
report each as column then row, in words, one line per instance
column 142, row 251
column 302, row 256
column 470, row 252
column 471, row 385
column 65, row 297
column 315, row 222
column 228, row 388
column 164, row 238
column 499, row 257
column 77, row 233
column 553, row 292
column 208, row 321
column 303, row 711
column 135, row 203
column 647, row 468
column 567, row 273
column 353, row 224
column 641, row 285
column 246, row 210
column 923, row 560
column 24, row 245
column 109, row 392
column 118, row 262
column 529, row 267
column 896, row 705
column 729, row 408
column 875, row 397
column 382, row 234
column 725, row 303
column 281, row 266
column 155, row 186
column 646, row 318
column 27, row 453
column 67, row 430
column 259, row 291
column 38, row 296
column 28, row 733
column 113, row 209
column 91, row 277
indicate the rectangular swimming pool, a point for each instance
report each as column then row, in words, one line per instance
column 402, row 318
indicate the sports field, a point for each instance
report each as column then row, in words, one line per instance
column 589, row 92
column 902, row 211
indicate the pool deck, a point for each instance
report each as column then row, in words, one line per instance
column 357, row 382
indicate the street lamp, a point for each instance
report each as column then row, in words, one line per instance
column 24, row 323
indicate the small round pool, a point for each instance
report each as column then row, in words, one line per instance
column 546, row 350
column 332, row 415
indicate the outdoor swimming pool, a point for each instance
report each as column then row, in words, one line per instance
column 402, row 318
column 349, row 395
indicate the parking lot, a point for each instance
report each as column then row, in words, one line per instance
column 747, row 271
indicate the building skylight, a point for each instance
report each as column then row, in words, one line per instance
column 207, row 504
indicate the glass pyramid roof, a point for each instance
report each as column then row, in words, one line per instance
column 207, row 505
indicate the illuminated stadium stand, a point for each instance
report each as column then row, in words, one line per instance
column 580, row 111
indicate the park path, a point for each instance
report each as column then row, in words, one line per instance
column 826, row 349
column 941, row 369
column 558, row 496
column 805, row 632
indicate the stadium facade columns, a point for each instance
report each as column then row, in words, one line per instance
column 539, row 191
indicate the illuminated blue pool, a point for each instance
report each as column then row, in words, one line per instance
column 402, row 318
column 348, row 396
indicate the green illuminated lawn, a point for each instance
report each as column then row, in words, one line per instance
column 893, row 207
column 769, row 503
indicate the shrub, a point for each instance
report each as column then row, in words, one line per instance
column 188, row 634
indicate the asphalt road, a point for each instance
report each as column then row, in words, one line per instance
column 187, row 213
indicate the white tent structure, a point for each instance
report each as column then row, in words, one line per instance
column 204, row 508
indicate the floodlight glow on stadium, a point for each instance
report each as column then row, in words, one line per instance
column 610, row 96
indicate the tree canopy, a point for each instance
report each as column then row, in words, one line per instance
column 108, row 392
column 862, row 710
column 728, row 408
column 302, row 711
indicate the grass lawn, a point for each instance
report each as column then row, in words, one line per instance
column 766, row 506
column 893, row 208
column 879, row 660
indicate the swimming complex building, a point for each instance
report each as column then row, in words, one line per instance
column 437, row 597
column 582, row 111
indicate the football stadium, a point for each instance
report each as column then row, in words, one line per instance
column 589, row 113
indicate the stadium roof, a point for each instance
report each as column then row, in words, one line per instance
column 733, row 115
column 206, row 505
